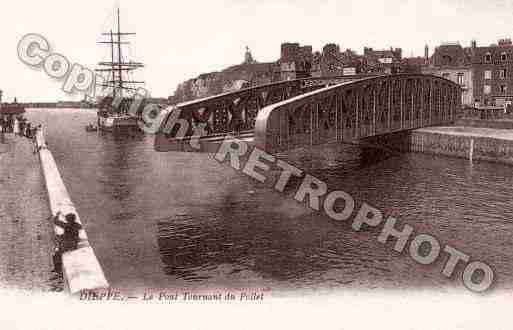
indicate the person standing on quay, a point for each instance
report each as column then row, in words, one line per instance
column 16, row 128
column 28, row 130
column 2, row 136
column 22, row 127
column 34, row 138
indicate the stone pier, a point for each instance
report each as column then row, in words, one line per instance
column 81, row 268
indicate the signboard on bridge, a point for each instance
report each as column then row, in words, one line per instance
column 385, row 60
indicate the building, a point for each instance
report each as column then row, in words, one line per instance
column 333, row 63
column 248, row 57
column 453, row 62
column 295, row 61
column 485, row 73
column 415, row 64
column 330, row 63
column 383, row 61
column 493, row 73
column 353, row 63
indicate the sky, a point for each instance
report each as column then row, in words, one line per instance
column 178, row 40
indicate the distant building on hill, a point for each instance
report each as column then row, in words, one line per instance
column 248, row 73
column 248, row 58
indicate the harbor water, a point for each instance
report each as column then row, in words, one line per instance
column 183, row 220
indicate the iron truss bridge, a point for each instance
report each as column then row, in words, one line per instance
column 298, row 113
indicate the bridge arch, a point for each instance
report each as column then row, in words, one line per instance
column 357, row 109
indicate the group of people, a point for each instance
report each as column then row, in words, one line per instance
column 20, row 126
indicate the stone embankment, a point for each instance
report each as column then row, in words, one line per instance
column 81, row 268
column 473, row 143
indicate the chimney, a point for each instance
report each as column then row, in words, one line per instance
column 426, row 53
column 473, row 44
column 1, row 93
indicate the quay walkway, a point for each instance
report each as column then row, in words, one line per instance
column 32, row 192
column 26, row 238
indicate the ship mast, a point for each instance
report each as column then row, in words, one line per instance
column 119, row 57
column 117, row 67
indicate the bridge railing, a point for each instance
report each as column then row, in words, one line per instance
column 357, row 109
column 231, row 113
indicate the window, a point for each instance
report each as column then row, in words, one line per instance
column 504, row 88
column 502, row 73
column 446, row 60
column 487, row 89
column 488, row 57
column 459, row 78
column 488, row 74
column 503, row 57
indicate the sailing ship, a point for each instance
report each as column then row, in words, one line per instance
column 113, row 109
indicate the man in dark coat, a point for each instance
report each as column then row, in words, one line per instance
column 69, row 240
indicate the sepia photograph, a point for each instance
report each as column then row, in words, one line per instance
column 270, row 164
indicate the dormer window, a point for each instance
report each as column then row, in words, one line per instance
column 446, row 60
column 488, row 57
column 503, row 57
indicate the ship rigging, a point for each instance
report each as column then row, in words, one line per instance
column 113, row 109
